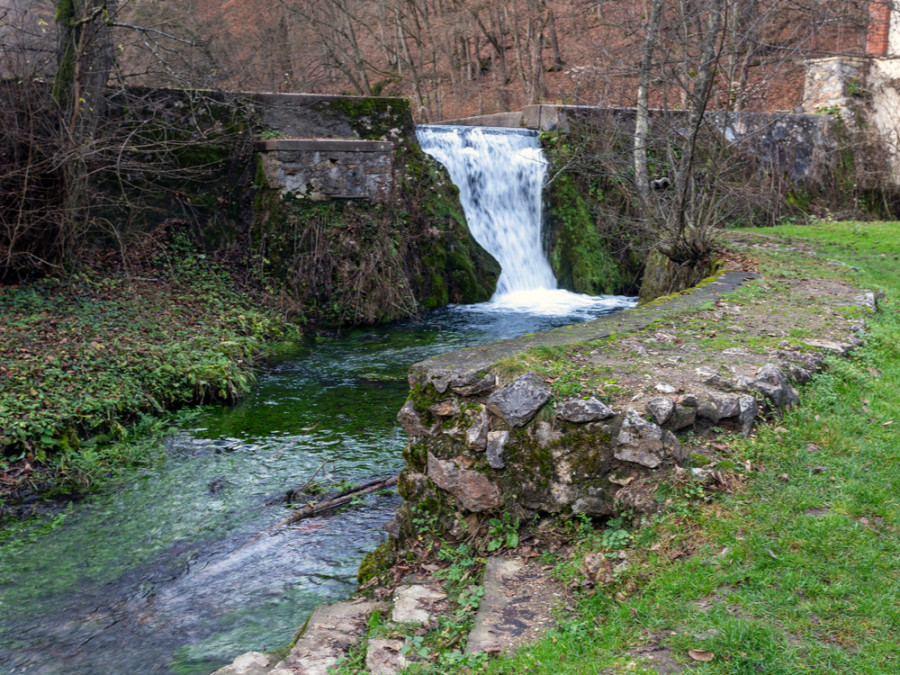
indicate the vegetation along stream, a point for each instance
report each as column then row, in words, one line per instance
column 159, row 577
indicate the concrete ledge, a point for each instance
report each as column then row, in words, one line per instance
column 502, row 120
column 275, row 98
column 470, row 361
column 322, row 145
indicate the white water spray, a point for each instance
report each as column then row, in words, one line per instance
column 500, row 174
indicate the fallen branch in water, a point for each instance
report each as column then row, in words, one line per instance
column 338, row 500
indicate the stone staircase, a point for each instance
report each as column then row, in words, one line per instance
column 517, row 607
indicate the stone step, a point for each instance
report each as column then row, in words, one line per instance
column 417, row 603
column 385, row 657
column 517, row 607
column 329, row 633
column 326, row 637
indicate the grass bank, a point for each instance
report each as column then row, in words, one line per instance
column 795, row 569
column 90, row 360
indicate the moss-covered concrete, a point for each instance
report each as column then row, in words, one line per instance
column 662, row 276
column 359, row 262
column 472, row 361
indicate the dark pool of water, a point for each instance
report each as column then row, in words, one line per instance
column 157, row 577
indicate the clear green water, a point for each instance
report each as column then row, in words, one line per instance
column 155, row 578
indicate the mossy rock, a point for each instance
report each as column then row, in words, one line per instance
column 580, row 258
column 663, row 276
column 376, row 562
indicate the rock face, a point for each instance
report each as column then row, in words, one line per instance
column 518, row 402
column 472, row 455
column 475, row 491
column 410, row 420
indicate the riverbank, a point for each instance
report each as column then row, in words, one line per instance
column 776, row 552
column 90, row 361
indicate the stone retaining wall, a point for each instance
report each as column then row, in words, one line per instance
column 482, row 443
column 802, row 146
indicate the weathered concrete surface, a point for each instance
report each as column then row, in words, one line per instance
column 465, row 365
column 800, row 145
column 320, row 115
column 416, row 603
column 330, row 631
column 321, row 169
column 517, row 607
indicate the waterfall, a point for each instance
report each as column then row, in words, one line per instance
column 500, row 174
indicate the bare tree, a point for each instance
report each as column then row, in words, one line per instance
column 84, row 150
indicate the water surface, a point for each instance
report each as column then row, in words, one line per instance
column 156, row 577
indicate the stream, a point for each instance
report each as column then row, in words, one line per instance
column 156, row 577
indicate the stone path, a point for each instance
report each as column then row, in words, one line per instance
column 517, row 608
column 329, row 632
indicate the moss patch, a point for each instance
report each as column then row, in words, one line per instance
column 579, row 256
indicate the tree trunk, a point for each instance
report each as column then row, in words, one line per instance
column 699, row 100
column 642, row 113
column 85, row 55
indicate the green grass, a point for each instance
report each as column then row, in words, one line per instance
column 798, row 571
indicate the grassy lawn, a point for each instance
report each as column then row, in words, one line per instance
column 797, row 569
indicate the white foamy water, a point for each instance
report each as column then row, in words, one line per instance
column 500, row 174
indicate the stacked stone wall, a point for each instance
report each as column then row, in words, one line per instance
column 481, row 443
